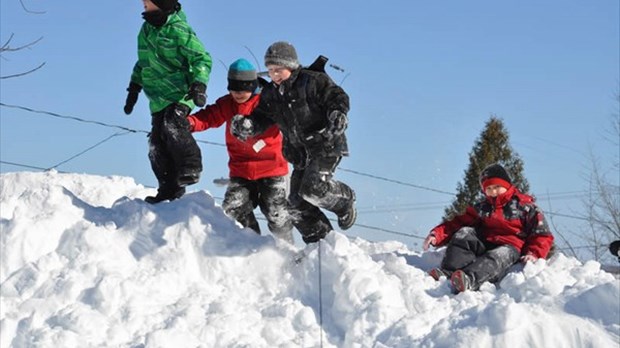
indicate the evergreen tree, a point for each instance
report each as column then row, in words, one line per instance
column 491, row 147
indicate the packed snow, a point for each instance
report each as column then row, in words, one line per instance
column 87, row 263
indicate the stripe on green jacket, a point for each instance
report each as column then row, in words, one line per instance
column 170, row 59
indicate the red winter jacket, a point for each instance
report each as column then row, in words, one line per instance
column 256, row 158
column 511, row 218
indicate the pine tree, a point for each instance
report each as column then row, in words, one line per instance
column 491, row 147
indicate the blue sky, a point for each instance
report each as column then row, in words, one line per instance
column 423, row 78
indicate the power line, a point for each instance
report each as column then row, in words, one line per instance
column 23, row 165
column 53, row 114
column 389, row 231
column 259, row 217
column 397, row 181
column 78, row 119
column 374, row 228
column 129, row 130
column 377, row 177
column 87, row 149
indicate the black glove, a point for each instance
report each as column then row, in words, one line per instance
column 338, row 122
column 241, row 127
column 198, row 93
column 132, row 97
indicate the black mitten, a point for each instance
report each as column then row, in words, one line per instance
column 338, row 122
column 198, row 93
column 132, row 97
column 241, row 127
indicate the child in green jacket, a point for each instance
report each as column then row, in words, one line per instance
column 173, row 70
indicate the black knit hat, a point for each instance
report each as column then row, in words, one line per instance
column 167, row 6
column 242, row 76
column 283, row 54
column 495, row 174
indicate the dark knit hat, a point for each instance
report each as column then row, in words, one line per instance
column 495, row 174
column 283, row 54
column 167, row 6
column 242, row 76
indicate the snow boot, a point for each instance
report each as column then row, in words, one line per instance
column 460, row 281
column 437, row 273
column 189, row 178
column 347, row 218
column 165, row 195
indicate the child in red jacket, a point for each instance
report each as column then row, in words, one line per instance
column 491, row 235
column 257, row 168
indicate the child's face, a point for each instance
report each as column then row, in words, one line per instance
column 278, row 74
column 494, row 190
column 240, row 97
column 149, row 6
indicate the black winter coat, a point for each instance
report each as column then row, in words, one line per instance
column 300, row 106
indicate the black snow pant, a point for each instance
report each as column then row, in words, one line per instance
column 173, row 151
column 480, row 260
column 313, row 188
column 243, row 196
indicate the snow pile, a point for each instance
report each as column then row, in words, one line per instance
column 86, row 263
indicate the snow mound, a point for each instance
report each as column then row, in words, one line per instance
column 86, row 263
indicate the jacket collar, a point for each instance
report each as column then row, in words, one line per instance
column 502, row 199
column 288, row 84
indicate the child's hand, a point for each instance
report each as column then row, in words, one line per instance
column 198, row 93
column 132, row 97
column 338, row 122
column 430, row 240
column 241, row 127
column 528, row 257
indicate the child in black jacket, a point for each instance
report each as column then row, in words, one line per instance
column 311, row 112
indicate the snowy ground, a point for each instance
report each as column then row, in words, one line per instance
column 86, row 263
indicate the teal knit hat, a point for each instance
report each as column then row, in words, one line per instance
column 242, row 76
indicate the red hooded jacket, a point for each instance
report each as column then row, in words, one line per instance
column 511, row 218
column 257, row 157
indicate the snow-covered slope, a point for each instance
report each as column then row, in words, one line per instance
column 86, row 263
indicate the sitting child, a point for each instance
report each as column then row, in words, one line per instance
column 492, row 235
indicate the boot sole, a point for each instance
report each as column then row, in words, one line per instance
column 459, row 281
column 350, row 224
column 436, row 274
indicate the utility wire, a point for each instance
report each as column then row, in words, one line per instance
column 129, row 130
column 397, row 181
column 320, row 295
column 356, row 224
column 22, row 165
column 78, row 119
column 88, row 149
column 53, row 114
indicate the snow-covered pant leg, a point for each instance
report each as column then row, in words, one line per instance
column 162, row 162
column 179, row 140
column 463, row 249
column 272, row 201
column 492, row 265
column 307, row 218
column 321, row 190
column 239, row 202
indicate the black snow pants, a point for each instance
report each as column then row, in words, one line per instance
column 173, row 151
column 243, row 196
column 313, row 188
column 480, row 260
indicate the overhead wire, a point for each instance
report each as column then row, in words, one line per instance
column 373, row 176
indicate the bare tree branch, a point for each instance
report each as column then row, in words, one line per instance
column 6, row 44
column 24, row 73
column 7, row 48
column 29, row 11
column 557, row 231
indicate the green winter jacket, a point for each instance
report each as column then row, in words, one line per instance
column 170, row 59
